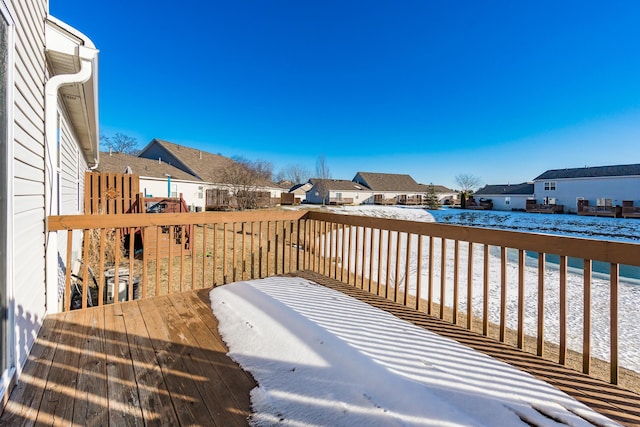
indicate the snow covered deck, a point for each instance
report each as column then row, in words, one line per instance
column 161, row 361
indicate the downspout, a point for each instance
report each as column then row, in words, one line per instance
column 51, row 141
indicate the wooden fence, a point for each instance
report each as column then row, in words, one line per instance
column 111, row 193
column 429, row 266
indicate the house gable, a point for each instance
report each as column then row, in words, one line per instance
column 206, row 166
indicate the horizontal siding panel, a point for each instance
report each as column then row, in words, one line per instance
column 29, row 204
column 25, row 155
column 30, row 118
column 24, row 135
column 28, row 188
column 30, row 34
column 27, row 171
column 26, row 71
column 33, row 97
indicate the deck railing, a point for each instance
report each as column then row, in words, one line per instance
column 481, row 279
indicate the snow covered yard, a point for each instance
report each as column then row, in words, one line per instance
column 322, row 358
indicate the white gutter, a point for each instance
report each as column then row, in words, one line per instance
column 52, row 87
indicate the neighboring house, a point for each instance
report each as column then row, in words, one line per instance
column 391, row 188
column 337, row 192
column 48, row 140
column 446, row 196
column 208, row 167
column 601, row 185
column 509, row 197
column 300, row 191
column 157, row 179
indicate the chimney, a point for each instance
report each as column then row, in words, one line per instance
column 200, row 154
column 109, row 150
column 159, row 160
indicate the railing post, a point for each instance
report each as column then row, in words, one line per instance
column 586, row 335
column 614, row 270
column 470, row 287
column 541, row 271
column 562, row 356
column 521, row 269
column 503, row 293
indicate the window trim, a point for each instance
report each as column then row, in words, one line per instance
column 7, row 372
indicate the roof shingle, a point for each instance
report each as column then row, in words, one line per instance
column 591, row 172
column 118, row 162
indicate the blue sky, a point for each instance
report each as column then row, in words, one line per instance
column 502, row 90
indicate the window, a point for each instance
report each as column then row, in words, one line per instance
column 201, row 192
column 174, row 190
column 549, row 185
column 507, row 200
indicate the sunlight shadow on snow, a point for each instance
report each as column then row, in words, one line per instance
column 358, row 360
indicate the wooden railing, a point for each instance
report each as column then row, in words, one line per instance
column 474, row 277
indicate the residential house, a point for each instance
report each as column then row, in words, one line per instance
column 389, row 188
column 600, row 185
column 157, row 179
column 48, row 139
column 445, row 195
column 210, row 168
column 337, row 192
column 300, row 191
column 509, row 197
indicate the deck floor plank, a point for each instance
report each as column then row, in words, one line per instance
column 23, row 407
column 228, row 381
column 124, row 403
column 90, row 404
column 155, row 402
column 236, row 378
column 173, row 360
column 60, row 392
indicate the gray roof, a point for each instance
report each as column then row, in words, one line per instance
column 388, row 182
column 207, row 166
column 591, row 172
column 202, row 164
column 438, row 188
column 525, row 188
column 339, row 184
column 118, row 162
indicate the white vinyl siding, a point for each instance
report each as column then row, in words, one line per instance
column 28, row 173
column 72, row 168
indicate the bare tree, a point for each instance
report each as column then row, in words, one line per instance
column 120, row 143
column 295, row 173
column 468, row 183
column 323, row 173
column 322, row 168
column 244, row 177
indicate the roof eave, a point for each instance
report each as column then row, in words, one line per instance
column 66, row 50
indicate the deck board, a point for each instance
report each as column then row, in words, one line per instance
column 161, row 361
column 158, row 361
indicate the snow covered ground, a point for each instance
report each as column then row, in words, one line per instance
column 322, row 358
column 609, row 228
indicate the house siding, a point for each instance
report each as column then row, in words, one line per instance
column 27, row 210
column 72, row 169
column 568, row 190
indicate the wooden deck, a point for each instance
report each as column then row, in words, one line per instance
column 161, row 361
column 153, row 361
